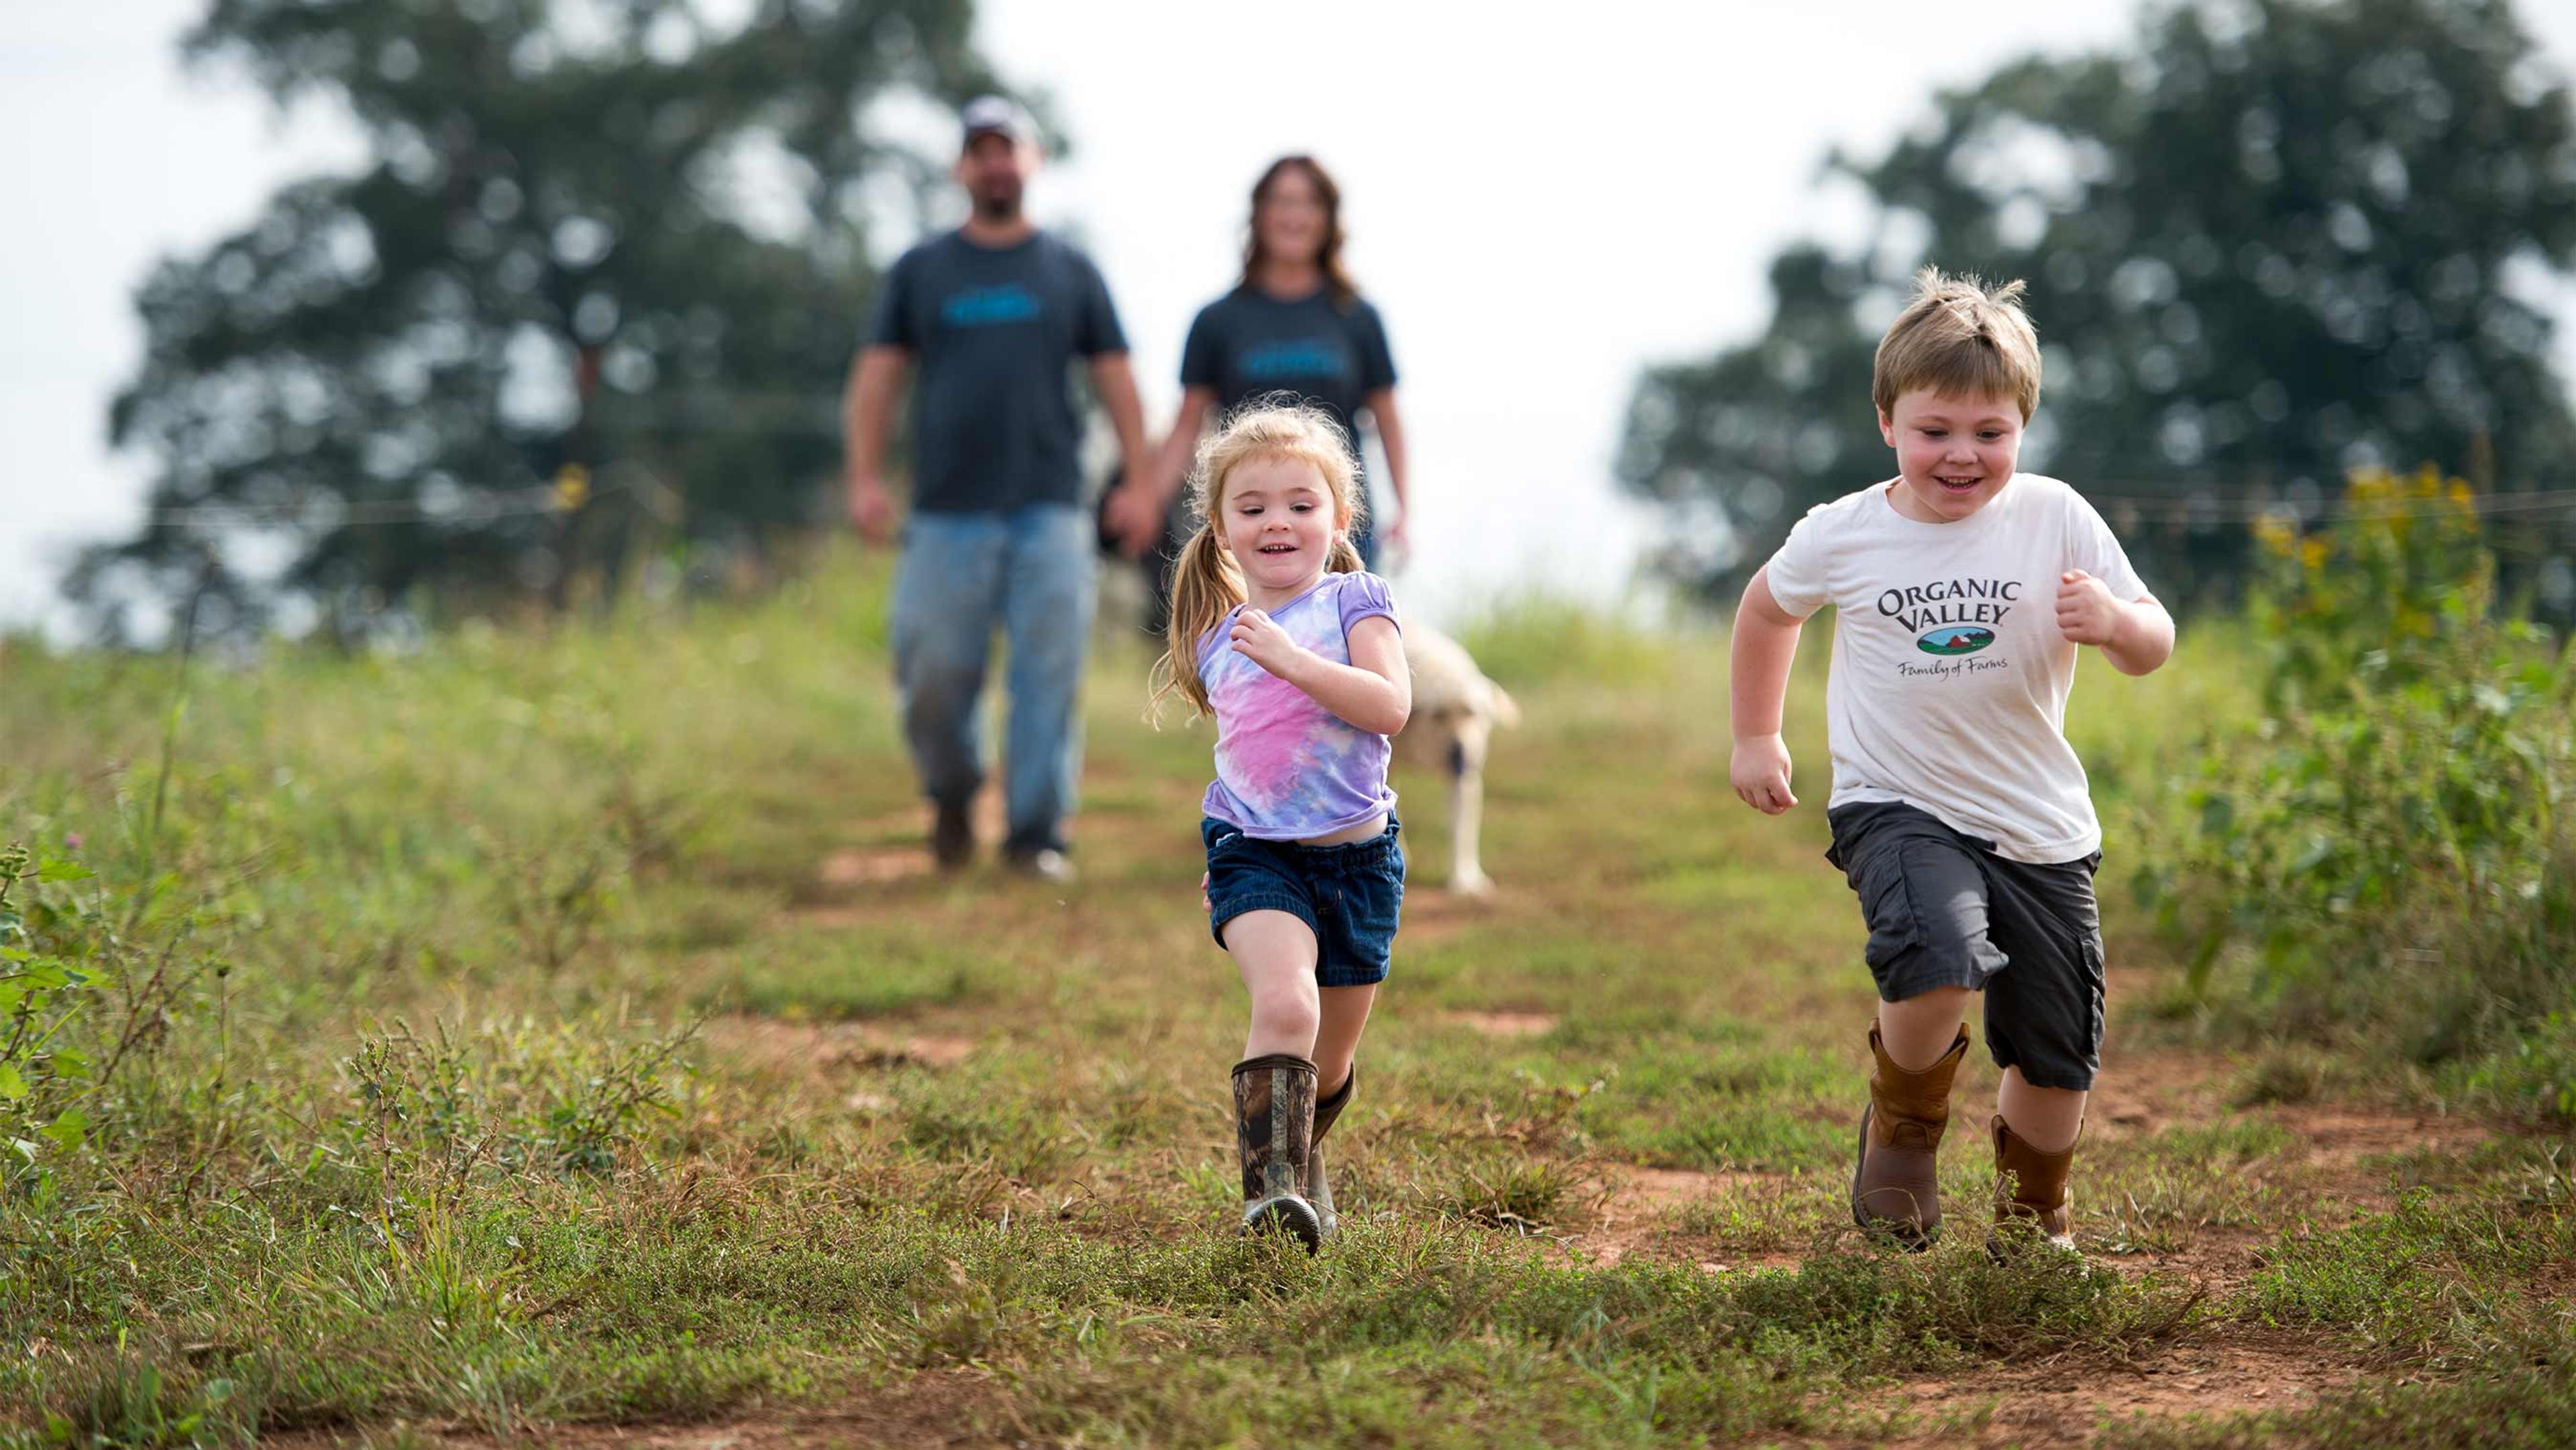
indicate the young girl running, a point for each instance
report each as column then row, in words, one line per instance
column 1278, row 632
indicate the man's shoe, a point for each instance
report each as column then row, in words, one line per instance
column 1046, row 863
column 952, row 837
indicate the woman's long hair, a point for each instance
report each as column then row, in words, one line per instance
column 1206, row 584
column 1338, row 281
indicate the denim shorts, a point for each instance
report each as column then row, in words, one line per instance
column 1349, row 895
column 1945, row 911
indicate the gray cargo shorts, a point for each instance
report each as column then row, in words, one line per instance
column 1945, row 911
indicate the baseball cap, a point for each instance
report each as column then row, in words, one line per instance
column 996, row 115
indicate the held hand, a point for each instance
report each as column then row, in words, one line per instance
column 1135, row 519
column 2086, row 612
column 1759, row 771
column 871, row 510
column 1258, row 638
column 1394, row 546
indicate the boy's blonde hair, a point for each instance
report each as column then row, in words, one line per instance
column 1206, row 584
column 1959, row 339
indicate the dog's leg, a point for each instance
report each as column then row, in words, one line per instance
column 1467, row 809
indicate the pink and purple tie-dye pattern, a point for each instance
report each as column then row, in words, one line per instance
column 1287, row 768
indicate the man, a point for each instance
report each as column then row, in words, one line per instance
column 993, row 315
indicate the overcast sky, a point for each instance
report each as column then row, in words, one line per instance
column 1539, row 201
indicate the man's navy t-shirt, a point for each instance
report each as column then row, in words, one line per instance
column 993, row 333
column 1249, row 343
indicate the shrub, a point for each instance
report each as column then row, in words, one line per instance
column 2383, row 849
column 42, row 1075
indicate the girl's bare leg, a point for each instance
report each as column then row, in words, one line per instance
column 1345, row 1013
column 1275, row 952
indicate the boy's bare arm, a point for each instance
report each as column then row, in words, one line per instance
column 2137, row 637
column 1765, row 643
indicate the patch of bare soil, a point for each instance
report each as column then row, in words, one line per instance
column 937, row 1409
column 2347, row 1146
column 782, row 1046
column 1507, row 1024
column 831, row 918
column 2070, row 1400
column 854, row 866
column 2146, row 1092
column 887, row 851
column 912, row 823
column 1633, row 1213
column 1433, row 912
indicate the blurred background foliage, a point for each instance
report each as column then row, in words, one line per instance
column 584, row 318
column 589, row 302
column 2268, row 242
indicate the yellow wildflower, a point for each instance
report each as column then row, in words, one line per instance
column 2276, row 536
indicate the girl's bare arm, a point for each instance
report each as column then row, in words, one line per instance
column 1374, row 692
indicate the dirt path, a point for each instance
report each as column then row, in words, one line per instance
column 2331, row 1159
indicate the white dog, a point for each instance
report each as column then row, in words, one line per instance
column 1455, row 712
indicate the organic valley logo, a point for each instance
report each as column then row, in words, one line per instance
column 1951, row 616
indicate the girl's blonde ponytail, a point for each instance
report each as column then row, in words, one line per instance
column 1206, row 587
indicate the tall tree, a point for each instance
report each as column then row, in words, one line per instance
column 2269, row 241
column 605, row 265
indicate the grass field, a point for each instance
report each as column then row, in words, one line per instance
column 556, row 1035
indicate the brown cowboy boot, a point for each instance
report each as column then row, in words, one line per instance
column 1274, row 1126
column 2030, row 1190
column 1896, row 1182
column 1319, row 1190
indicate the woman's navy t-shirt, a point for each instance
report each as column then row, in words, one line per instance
column 1249, row 343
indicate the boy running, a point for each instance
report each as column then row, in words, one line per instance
column 1962, row 590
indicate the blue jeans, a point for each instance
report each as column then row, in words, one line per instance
column 1029, row 571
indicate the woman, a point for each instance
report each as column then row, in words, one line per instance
column 1295, row 324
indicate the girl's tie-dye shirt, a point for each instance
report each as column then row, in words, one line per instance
column 1286, row 767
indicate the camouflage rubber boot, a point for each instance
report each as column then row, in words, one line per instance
column 2030, row 1191
column 1319, row 1190
column 1274, row 1129
column 1896, row 1180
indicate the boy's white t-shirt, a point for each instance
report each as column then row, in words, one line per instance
column 1950, row 678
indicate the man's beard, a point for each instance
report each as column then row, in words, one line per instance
column 998, row 206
